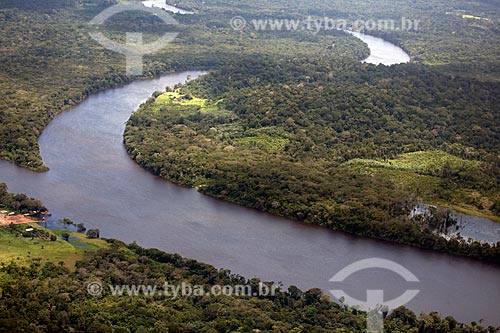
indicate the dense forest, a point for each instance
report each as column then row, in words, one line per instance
column 43, row 296
column 287, row 122
column 48, row 62
column 338, row 143
column 335, row 150
column 459, row 37
column 45, row 274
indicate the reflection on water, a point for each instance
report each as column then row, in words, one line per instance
column 381, row 51
column 468, row 226
column 162, row 4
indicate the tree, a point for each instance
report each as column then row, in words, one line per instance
column 93, row 233
column 496, row 207
column 295, row 292
column 404, row 315
column 67, row 221
column 313, row 296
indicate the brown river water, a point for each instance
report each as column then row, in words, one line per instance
column 93, row 181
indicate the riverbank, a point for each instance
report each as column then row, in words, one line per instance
column 65, row 81
column 381, row 51
column 469, row 210
column 82, row 280
column 93, row 181
column 229, row 149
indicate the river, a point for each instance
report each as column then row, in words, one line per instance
column 163, row 5
column 93, row 181
column 381, row 51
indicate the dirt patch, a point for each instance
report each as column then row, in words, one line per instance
column 5, row 220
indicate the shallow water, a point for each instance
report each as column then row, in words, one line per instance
column 468, row 226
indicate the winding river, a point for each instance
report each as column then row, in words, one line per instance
column 93, row 181
column 381, row 51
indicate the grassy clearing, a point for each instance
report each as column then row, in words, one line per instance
column 467, row 16
column 14, row 247
column 467, row 210
column 175, row 97
column 263, row 141
column 422, row 162
column 422, row 172
column 254, row 139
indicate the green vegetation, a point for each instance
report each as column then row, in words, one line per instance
column 19, row 203
column 274, row 124
column 49, row 63
column 424, row 162
column 439, row 178
column 44, row 288
column 352, row 151
column 42, row 296
column 23, row 244
column 43, row 245
column 285, row 123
